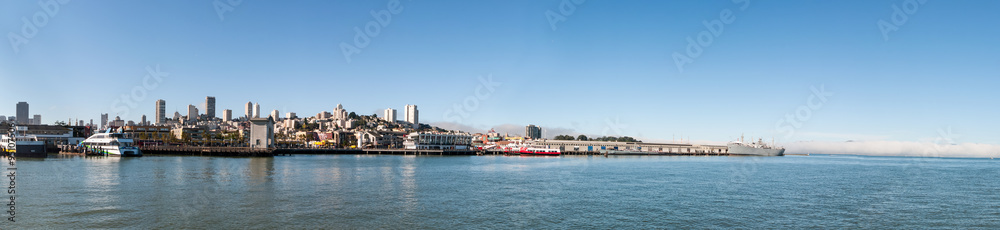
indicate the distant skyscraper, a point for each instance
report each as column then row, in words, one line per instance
column 37, row 120
column 192, row 113
column 390, row 115
column 104, row 121
column 249, row 110
column 413, row 116
column 143, row 120
column 210, row 107
column 22, row 113
column 161, row 112
column 290, row 115
column 227, row 115
column 274, row 114
column 533, row 132
column 256, row 110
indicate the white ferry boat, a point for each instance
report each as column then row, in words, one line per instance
column 111, row 144
column 22, row 145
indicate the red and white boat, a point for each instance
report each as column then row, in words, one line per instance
column 539, row 151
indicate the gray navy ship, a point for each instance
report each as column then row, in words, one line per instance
column 758, row 148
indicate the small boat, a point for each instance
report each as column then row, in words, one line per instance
column 22, row 145
column 111, row 144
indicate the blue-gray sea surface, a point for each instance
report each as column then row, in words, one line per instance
column 497, row 192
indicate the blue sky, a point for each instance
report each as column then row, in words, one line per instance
column 608, row 68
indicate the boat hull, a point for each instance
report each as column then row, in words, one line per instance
column 31, row 151
column 749, row 151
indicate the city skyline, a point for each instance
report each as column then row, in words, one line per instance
column 512, row 67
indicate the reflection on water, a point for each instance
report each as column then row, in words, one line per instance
column 406, row 192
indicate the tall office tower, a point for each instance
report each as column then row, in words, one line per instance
column 249, row 110
column 390, row 115
column 192, row 113
column 22, row 113
column 210, row 107
column 161, row 112
column 533, row 132
column 227, row 115
column 413, row 116
column 104, row 121
column 274, row 114
column 256, row 110
column 143, row 120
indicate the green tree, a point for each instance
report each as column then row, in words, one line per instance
column 353, row 115
column 581, row 137
column 564, row 138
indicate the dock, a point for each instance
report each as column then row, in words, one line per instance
column 207, row 151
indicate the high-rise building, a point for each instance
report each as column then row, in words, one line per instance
column 161, row 112
column 227, row 115
column 274, row 114
column 143, row 120
column 192, row 113
column 104, row 121
column 339, row 113
column 37, row 120
column 390, row 115
column 413, row 116
column 290, row 115
column 22, row 113
column 256, row 110
column 249, row 110
column 210, row 107
column 533, row 132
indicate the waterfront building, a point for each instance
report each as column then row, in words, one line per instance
column 413, row 116
column 261, row 133
column 533, row 132
column 437, row 141
column 633, row 147
column 390, row 115
column 147, row 133
column 161, row 112
column 249, row 110
column 227, row 115
column 22, row 113
column 210, row 107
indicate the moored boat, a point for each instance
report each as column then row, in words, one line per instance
column 111, row 144
column 22, row 145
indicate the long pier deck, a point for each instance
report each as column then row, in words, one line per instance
column 249, row 152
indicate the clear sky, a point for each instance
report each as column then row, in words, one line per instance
column 605, row 67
